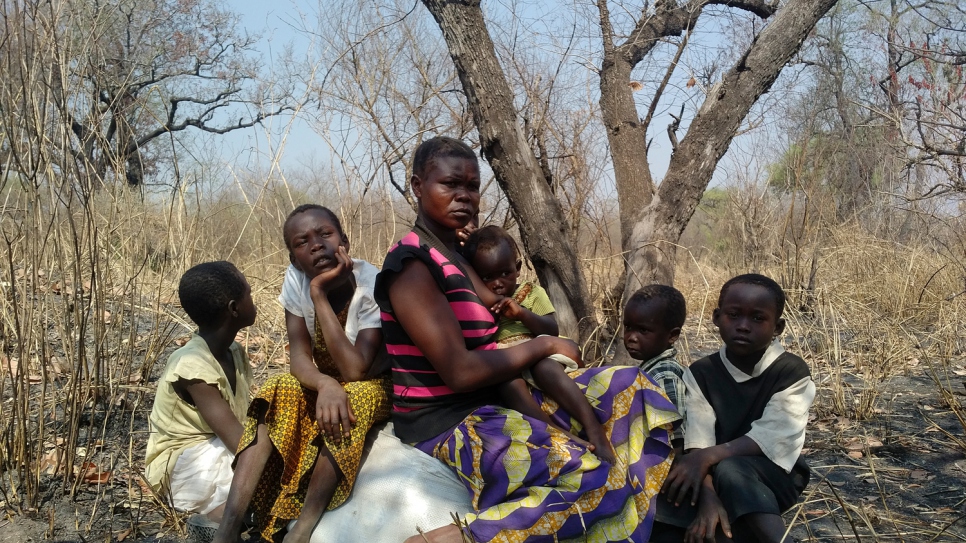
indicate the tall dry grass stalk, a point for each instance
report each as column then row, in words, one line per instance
column 89, row 268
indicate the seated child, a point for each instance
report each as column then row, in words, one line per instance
column 306, row 429
column 203, row 394
column 525, row 312
column 653, row 319
column 747, row 407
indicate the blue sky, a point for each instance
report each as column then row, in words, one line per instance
column 292, row 144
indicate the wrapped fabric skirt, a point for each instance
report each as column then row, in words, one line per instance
column 529, row 483
column 288, row 410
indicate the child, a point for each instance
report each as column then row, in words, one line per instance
column 526, row 312
column 653, row 319
column 203, row 393
column 747, row 407
column 304, row 437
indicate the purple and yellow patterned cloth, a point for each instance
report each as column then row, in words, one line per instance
column 530, row 483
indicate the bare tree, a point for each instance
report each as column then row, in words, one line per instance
column 652, row 216
column 126, row 73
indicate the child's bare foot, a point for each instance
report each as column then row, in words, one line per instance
column 447, row 534
column 601, row 443
column 574, row 437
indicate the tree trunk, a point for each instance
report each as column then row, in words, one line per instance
column 542, row 224
column 652, row 244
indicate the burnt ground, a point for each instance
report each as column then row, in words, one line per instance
column 899, row 476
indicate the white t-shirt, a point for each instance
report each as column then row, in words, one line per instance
column 296, row 298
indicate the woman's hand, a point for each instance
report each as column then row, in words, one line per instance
column 332, row 410
column 711, row 512
column 335, row 276
column 687, row 473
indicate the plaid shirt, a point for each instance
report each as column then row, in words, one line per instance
column 666, row 371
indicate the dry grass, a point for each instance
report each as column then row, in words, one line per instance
column 89, row 311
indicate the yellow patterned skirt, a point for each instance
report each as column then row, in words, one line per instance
column 288, row 410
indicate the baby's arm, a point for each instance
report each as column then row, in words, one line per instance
column 539, row 325
column 214, row 409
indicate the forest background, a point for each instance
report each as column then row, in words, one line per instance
column 822, row 143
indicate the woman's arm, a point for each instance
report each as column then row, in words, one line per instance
column 332, row 410
column 353, row 360
column 423, row 311
column 215, row 410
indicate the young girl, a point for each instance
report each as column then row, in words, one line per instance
column 203, row 393
column 527, row 480
column 305, row 432
column 747, row 408
column 526, row 312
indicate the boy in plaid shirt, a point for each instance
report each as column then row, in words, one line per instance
column 652, row 323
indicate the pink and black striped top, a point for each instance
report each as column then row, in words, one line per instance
column 423, row 406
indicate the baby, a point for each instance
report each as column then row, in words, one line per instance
column 526, row 312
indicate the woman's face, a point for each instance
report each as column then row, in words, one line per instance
column 448, row 192
column 313, row 240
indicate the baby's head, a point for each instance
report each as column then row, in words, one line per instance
column 652, row 321
column 212, row 292
column 749, row 314
column 312, row 235
column 494, row 255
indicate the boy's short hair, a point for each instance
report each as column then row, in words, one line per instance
column 310, row 207
column 487, row 239
column 206, row 289
column 769, row 284
column 439, row 147
column 675, row 308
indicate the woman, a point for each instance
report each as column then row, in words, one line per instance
column 303, row 442
column 528, row 480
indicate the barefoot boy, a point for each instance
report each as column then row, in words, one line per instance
column 747, row 407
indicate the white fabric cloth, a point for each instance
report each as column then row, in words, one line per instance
column 296, row 298
column 398, row 489
column 780, row 432
column 202, row 477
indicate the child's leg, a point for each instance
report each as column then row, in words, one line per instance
column 322, row 485
column 765, row 526
column 755, row 491
column 248, row 470
column 549, row 375
column 516, row 396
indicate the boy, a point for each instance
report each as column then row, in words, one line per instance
column 747, row 407
column 653, row 319
column 203, row 394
